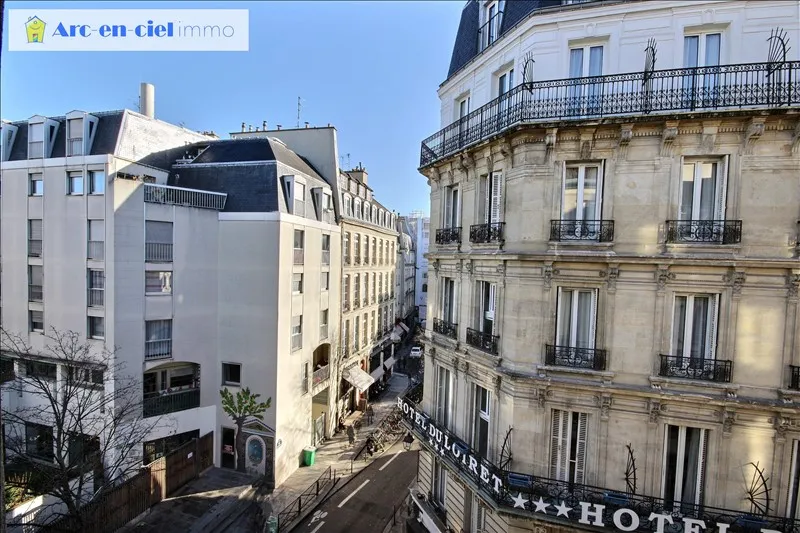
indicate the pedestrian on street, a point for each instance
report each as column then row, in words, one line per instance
column 351, row 434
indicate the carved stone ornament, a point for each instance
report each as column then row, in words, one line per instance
column 668, row 136
column 505, row 148
column 465, row 366
column 436, row 265
column 501, row 269
column 781, row 427
column 468, row 266
column 458, row 266
column 454, row 361
column 611, row 277
column 708, row 141
column 490, row 163
column 792, row 285
column 604, row 403
column 548, row 272
column 542, row 395
column 625, row 136
column 663, row 276
column 755, row 129
column 728, row 419
column 796, row 139
column 587, row 144
column 654, row 408
column 736, row 280
column 497, row 381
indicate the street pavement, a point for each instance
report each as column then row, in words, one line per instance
column 366, row 503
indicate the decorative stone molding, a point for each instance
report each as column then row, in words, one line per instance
column 654, row 410
column 611, row 276
column 436, row 265
column 454, row 361
column 668, row 136
column 548, row 272
column 501, row 269
column 505, row 148
column 542, row 395
column 782, row 425
column 663, row 275
column 625, row 136
column 465, row 164
column 755, row 129
column 736, row 280
column 458, row 267
column 604, row 403
column 792, row 286
column 465, row 366
column 497, row 381
column 796, row 139
column 468, row 266
column 550, row 139
column 728, row 419
column 587, row 143
column 431, row 353
column 708, row 141
column 489, row 163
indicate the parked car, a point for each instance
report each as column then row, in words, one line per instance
column 416, row 352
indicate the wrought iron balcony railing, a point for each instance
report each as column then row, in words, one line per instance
column 321, row 374
column 448, row 236
column 486, row 233
column 704, row 231
column 794, row 382
column 537, row 495
column 166, row 194
column 571, row 356
column 442, row 327
column 635, row 93
column 484, row 341
column 490, row 31
column 582, row 230
column 157, row 404
column 696, row 368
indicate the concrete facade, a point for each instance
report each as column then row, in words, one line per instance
column 576, row 357
column 421, row 227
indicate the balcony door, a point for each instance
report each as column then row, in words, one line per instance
column 694, row 328
column 444, row 396
column 684, row 468
column 584, row 97
column 487, row 294
column 452, row 208
column 701, row 50
column 492, row 197
column 448, row 300
column 568, row 446
column 480, row 423
column 581, row 201
column 703, row 185
column 577, row 310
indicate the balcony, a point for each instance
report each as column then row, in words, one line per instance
column 96, row 250
column 582, row 230
column 157, row 349
column 486, row 233
column 75, row 146
column 696, row 368
column 489, row 32
column 573, row 357
column 447, row 329
column 165, row 194
column 714, row 88
column 157, row 404
column 506, row 488
column 704, row 231
column 158, row 252
column 321, row 375
column 794, row 381
column 448, row 236
column 483, row 341
column 299, row 256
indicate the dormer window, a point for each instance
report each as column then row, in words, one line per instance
column 36, row 141
column 74, row 137
column 41, row 137
column 299, row 199
column 490, row 29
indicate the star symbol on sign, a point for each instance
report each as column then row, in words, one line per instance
column 519, row 501
column 541, row 506
column 562, row 509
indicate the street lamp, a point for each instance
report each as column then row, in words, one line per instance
column 407, row 441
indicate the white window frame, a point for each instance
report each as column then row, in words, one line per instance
column 73, row 177
column 586, row 58
column 793, row 499
column 297, row 283
column 702, row 36
column 297, row 333
column 299, row 198
column 581, row 190
column 493, row 198
column 227, row 382
column 448, row 302
column 444, row 396
column 575, row 318
column 164, row 277
column 93, row 182
column 712, row 323
column 75, row 123
column 439, row 483
column 720, row 184
column 34, row 177
column 569, row 430
column 677, row 495
column 504, row 82
column 487, row 310
column 452, row 207
column 481, row 412
column 325, row 280
column 92, row 330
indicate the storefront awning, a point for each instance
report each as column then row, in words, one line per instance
column 358, row 378
column 404, row 327
column 389, row 363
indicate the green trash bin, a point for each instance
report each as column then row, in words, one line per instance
column 309, row 454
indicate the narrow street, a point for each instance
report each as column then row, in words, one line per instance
column 367, row 502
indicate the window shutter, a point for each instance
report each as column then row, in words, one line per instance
column 580, row 455
column 448, row 207
column 713, row 320
column 487, row 199
column 456, row 221
column 559, row 446
column 593, row 321
column 497, row 195
column 701, row 472
column 722, row 187
column 492, row 293
column 36, row 229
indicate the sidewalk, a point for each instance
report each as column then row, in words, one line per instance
column 335, row 453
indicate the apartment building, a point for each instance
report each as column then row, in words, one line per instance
column 615, row 199
column 421, row 227
column 406, row 274
column 178, row 250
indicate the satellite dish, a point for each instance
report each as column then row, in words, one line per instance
column 527, row 71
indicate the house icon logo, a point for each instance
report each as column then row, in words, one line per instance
column 35, row 29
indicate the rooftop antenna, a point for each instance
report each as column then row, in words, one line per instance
column 299, row 106
column 348, row 160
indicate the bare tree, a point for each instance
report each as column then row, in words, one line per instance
column 75, row 427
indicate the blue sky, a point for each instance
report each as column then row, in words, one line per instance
column 369, row 68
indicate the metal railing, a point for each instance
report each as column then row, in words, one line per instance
column 157, row 404
column 634, row 93
column 484, row 341
column 96, row 297
column 582, row 230
column 489, row 32
column 321, row 374
column 448, row 235
column 158, row 349
column 326, row 257
column 35, row 293
column 553, row 493
column 442, row 327
column 34, row 248
column 704, row 231
column 574, row 357
column 96, row 250
column 484, row 233
column 158, row 252
column 75, row 146
column 299, row 256
column 166, row 194
column 696, row 368
column 794, row 381
column 293, row 511
column 35, row 149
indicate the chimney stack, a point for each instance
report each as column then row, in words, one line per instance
column 250, row 127
column 264, row 125
column 359, row 173
column 279, row 126
column 306, row 124
column 147, row 100
column 244, row 127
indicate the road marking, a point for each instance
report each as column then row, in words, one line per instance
column 352, row 494
column 318, row 527
column 389, row 461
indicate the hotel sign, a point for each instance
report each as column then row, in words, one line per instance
column 485, row 474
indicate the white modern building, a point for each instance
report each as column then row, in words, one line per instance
column 615, row 196
column 421, row 229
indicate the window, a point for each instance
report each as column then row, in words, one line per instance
column 299, row 244
column 694, row 327
column 463, row 111
column 35, row 238
column 35, row 141
column 701, row 50
column 374, row 251
column 346, row 337
column 348, row 206
column 297, row 332
column 297, row 283
column 703, row 190
column 581, row 193
column 74, row 137
column 35, row 283
column 576, row 318
column 158, row 241
column 96, row 240
column 231, row 374
column 486, row 306
column 491, row 201
column 39, row 441
column 793, row 502
column 83, row 375
column 366, row 288
column 480, row 428
column 357, row 291
column 35, row 184
column 325, row 280
column 346, row 246
column 490, row 30
column 505, row 82
column 366, row 249
column 478, row 515
column 158, row 339
column 97, row 182
column 82, row 449
column 346, row 292
column 75, row 182
column 41, row 370
column 424, row 287
column 374, row 286
column 684, row 467
column 439, row 483
column 157, row 282
column 585, row 61
column 36, row 321
column 304, row 375
column 364, row 330
column 323, row 324
column 299, row 199
column 97, row 288
column 452, row 214
column 568, row 446
column 97, row 328
column 356, row 337
column 357, row 248
column 448, row 300
column 326, row 249
column 372, row 323
column 444, row 389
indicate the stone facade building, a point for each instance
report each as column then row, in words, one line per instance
column 614, row 280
